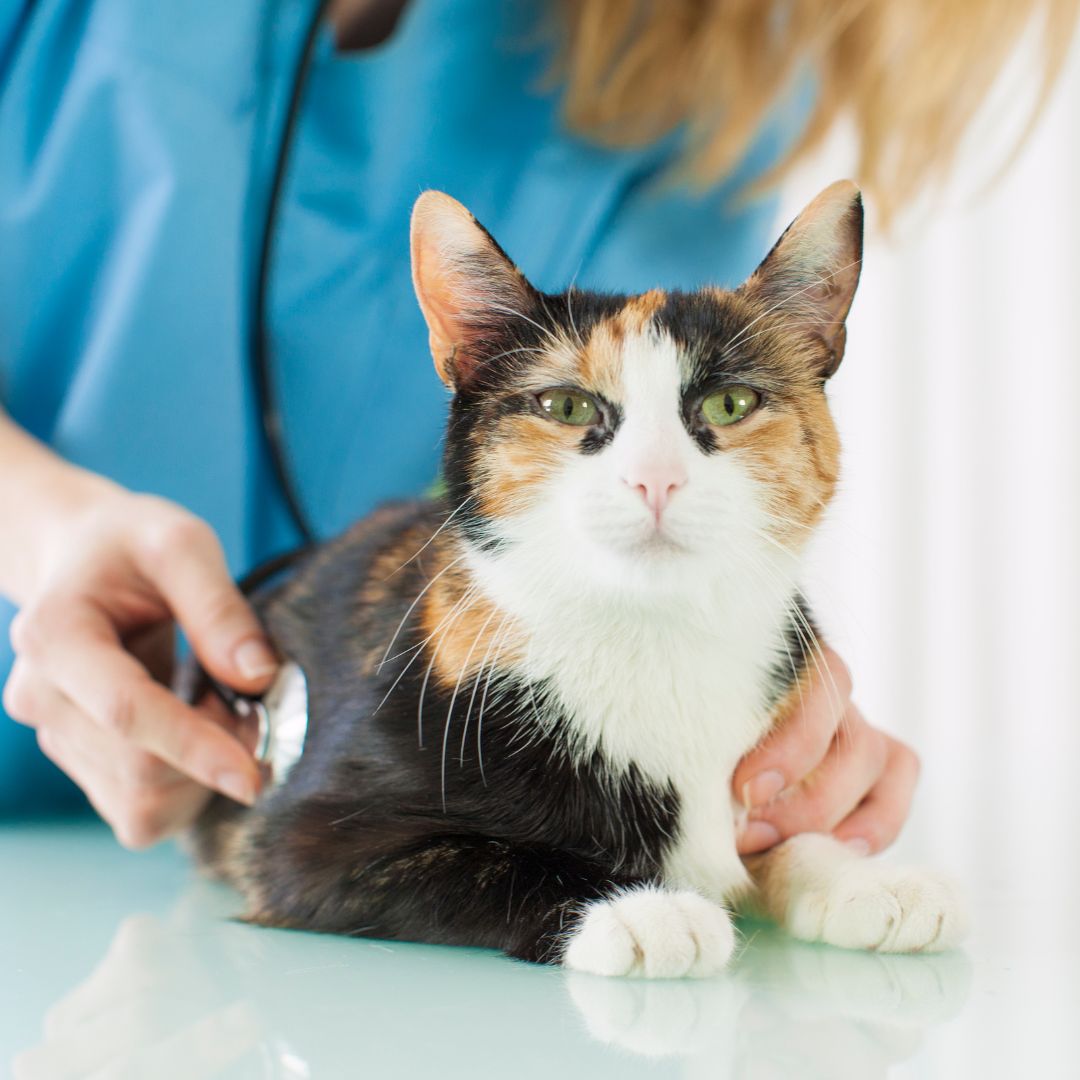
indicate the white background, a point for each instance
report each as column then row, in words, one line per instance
column 948, row 574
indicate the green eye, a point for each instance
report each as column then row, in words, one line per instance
column 569, row 406
column 729, row 405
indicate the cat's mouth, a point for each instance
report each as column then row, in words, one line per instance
column 653, row 542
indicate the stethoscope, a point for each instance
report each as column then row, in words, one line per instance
column 260, row 351
column 280, row 714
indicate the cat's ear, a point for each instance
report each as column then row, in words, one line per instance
column 464, row 282
column 813, row 269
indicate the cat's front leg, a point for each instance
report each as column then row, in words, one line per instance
column 541, row 905
column 820, row 890
column 533, row 903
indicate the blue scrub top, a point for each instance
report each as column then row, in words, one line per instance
column 137, row 145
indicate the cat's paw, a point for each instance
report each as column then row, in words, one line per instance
column 883, row 908
column 652, row 934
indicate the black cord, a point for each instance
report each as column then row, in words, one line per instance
column 260, row 338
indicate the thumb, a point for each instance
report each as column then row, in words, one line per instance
column 190, row 572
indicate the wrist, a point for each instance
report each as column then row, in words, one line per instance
column 44, row 498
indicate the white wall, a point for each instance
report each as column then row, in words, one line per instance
column 949, row 573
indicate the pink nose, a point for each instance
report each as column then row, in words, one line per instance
column 656, row 485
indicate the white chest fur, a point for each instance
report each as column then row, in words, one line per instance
column 679, row 688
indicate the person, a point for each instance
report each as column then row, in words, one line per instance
column 186, row 186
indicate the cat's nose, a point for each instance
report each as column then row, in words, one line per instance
column 656, row 485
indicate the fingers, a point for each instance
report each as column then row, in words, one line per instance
column 825, row 769
column 798, row 746
column 141, row 797
column 183, row 559
column 878, row 819
column 851, row 768
column 138, row 818
column 74, row 646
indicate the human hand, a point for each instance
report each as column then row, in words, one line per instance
column 825, row 769
column 93, row 631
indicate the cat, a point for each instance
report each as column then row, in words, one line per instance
column 527, row 696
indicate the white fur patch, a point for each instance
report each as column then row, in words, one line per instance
column 653, row 934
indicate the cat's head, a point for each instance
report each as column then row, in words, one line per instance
column 647, row 440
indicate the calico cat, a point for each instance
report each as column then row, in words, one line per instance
column 527, row 697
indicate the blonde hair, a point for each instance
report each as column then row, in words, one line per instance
column 910, row 74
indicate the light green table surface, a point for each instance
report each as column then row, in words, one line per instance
column 123, row 965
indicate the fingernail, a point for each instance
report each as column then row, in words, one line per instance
column 763, row 788
column 254, row 659
column 237, row 786
column 858, row 845
column 757, row 836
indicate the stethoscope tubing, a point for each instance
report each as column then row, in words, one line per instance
column 260, row 353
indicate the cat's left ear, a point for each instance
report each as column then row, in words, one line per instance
column 813, row 269
column 465, row 283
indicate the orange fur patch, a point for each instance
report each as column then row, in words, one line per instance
column 639, row 310
column 465, row 631
column 600, row 362
column 525, row 453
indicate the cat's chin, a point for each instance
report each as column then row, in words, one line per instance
column 656, row 546
column 654, row 565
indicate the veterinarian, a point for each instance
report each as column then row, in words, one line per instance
column 199, row 364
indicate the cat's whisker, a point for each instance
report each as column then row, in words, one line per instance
column 782, row 624
column 503, row 638
column 416, row 650
column 453, row 701
column 420, row 644
column 532, row 690
column 513, row 313
column 477, row 679
column 412, row 607
column 460, row 607
column 791, row 322
column 810, row 643
column 547, row 312
column 812, row 646
column 780, row 519
column 775, row 543
column 804, row 631
column 450, row 517
column 825, row 672
column 528, row 349
column 570, row 314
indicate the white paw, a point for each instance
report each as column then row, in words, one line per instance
column 884, row 908
column 652, row 934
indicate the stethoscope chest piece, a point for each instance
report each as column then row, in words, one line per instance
column 282, row 717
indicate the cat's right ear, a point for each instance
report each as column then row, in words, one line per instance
column 465, row 283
